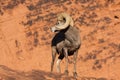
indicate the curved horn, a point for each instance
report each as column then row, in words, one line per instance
column 68, row 21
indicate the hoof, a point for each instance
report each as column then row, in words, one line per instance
column 75, row 75
column 66, row 72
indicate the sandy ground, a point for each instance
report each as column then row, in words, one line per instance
column 25, row 39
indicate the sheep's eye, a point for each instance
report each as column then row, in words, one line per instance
column 57, row 23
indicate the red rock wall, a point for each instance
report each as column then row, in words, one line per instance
column 25, row 36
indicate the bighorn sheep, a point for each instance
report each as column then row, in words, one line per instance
column 65, row 42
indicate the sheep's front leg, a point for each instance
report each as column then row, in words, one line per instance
column 53, row 58
column 66, row 59
column 58, row 66
column 75, row 58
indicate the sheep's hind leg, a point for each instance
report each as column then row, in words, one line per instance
column 75, row 58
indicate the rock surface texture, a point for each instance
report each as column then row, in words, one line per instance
column 25, row 39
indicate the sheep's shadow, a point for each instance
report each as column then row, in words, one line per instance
column 9, row 74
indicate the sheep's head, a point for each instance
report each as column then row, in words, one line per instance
column 63, row 21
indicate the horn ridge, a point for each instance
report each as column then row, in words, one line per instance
column 69, row 20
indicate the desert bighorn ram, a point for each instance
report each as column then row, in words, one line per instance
column 65, row 42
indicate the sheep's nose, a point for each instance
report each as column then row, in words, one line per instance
column 52, row 29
